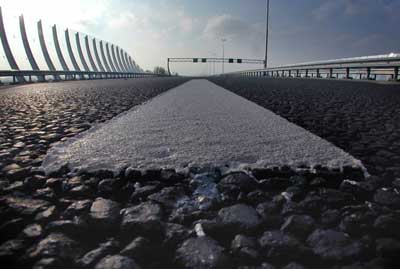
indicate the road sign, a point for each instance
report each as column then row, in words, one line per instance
column 213, row 60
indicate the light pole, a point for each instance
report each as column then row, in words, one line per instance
column 214, row 55
column 266, row 38
column 223, row 55
column 212, row 62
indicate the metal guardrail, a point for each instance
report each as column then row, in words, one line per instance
column 69, row 75
column 368, row 67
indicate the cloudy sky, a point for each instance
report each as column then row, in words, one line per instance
column 300, row 30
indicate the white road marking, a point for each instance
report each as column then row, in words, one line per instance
column 196, row 124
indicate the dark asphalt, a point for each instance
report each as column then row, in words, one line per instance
column 264, row 218
column 363, row 118
column 35, row 115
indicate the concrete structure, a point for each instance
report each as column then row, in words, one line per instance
column 80, row 53
column 113, row 69
column 123, row 56
column 99, row 65
column 122, row 67
column 117, row 67
column 27, row 47
column 6, row 47
column 94, row 67
column 70, row 51
column 58, row 49
column 103, row 57
column 96, row 54
column 45, row 52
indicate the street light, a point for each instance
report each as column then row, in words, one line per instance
column 215, row 56
column 223, row 55
column 266, row 38
column 212, row 62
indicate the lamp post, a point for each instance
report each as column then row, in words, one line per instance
column 214, row 55
column 223, row 55
column 266, row 38
column 212, row 62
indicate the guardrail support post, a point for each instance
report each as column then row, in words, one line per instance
column 396, row 73
column 318, row 74
column 290, row 73
column 306, row 73
column 347, row 73
column 368, row 72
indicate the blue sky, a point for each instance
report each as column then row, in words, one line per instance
column 301, row 30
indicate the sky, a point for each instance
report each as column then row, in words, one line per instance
column 300, row 30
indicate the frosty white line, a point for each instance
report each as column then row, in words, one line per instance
column 196, row 124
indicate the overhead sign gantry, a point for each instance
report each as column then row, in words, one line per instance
column 213, row 60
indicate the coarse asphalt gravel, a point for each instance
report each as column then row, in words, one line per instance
column 362, row 118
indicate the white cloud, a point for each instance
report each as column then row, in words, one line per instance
column 145, row 30
column 74, row 13
column 226, row 26
column 247, row 40
column 326, row 9
column 330, row 8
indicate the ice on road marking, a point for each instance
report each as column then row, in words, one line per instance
column 196, row 124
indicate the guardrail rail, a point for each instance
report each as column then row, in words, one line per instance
column 367, row 67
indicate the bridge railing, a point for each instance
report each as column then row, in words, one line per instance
column 42, row 76
column 33, row 51
column 368, row 67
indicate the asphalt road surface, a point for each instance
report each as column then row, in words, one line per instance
column 196, row 124
column 35, row 116
column 362, row 118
